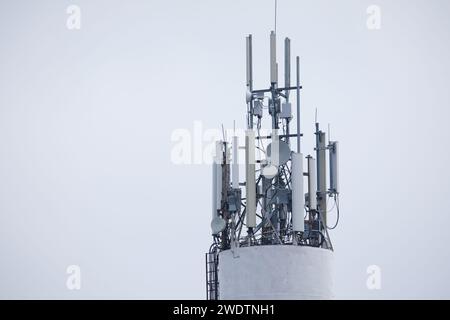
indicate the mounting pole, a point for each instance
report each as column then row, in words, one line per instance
column 287, row 80
column 321, row 174
column 287, row 66
column 298, row 104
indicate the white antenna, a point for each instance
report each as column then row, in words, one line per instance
column 223, row 133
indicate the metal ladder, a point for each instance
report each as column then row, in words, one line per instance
column 212, row 279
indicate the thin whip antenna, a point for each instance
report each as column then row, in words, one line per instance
column 315, row 119
column 276, row 4
column 329, row 133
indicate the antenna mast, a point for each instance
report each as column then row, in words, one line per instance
column 270, row 211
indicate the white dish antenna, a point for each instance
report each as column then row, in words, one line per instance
column 284, row 153
column 269, row 171
column 217, row 225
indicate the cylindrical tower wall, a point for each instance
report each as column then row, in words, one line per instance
column 275, row 272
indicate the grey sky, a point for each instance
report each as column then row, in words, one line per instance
column 86, row 118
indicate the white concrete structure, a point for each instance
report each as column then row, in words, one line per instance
column 275, row 272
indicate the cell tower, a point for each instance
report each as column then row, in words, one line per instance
column 272, row 241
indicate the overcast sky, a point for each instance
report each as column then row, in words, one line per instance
column 87, row 116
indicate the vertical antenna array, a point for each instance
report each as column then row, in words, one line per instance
column 270, row 208
column 275, row 209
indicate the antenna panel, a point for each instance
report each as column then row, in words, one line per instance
column 312, row 183
column 250, row 184
column 334, row 166
column 298, row 222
